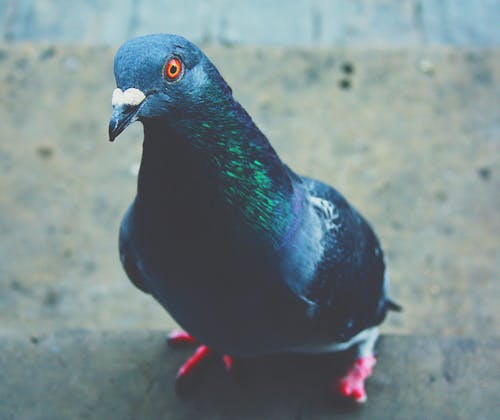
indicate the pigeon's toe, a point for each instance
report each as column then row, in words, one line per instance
column 228, row 363
column 180, row 338
column 202, row 353
column 352, row 384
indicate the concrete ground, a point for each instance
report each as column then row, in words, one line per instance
column 416, row 150
column 81, row 375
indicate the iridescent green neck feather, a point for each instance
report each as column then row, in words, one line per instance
column 243, row 168
column 250, row 175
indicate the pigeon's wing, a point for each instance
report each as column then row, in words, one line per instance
column 130, row 267
column 346, row 289
column 128, row 258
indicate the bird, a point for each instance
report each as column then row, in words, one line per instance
column 249, row 258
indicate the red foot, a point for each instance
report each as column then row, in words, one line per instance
column 181, row 338
column 352, row 385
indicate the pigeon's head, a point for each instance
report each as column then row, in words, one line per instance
column 158, row 76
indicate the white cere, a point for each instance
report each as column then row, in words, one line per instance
column 131, row 97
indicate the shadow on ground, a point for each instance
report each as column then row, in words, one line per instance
column 83, row 374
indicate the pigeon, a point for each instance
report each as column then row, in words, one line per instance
column 247, row 256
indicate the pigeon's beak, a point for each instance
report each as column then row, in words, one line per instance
column 125, row 109
column 122, row 117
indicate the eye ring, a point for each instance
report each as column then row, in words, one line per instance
column 173, row 69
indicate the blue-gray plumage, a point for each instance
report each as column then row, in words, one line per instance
column 247, row 256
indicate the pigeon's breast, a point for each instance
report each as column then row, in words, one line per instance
column 229, row 297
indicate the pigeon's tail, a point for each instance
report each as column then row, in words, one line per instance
column 393, row 306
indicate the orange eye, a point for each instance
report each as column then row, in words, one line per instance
column 173, row 68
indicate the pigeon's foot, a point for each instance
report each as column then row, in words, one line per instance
column 202, row 353
column 352, row 384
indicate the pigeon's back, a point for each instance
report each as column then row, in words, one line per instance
column 335, row 263
column 350, row 284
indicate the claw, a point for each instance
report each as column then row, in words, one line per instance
column 352, row 385
column 180, row 338
column 228, row 363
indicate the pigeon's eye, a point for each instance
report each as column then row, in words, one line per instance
column 173, row 69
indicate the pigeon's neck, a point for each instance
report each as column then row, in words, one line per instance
column 221, row 156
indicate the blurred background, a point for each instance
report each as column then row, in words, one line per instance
column 394, row 102
column 382, row 23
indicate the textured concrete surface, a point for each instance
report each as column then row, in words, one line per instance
column 387, row 23
column 411, row 138
column 99, row 375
